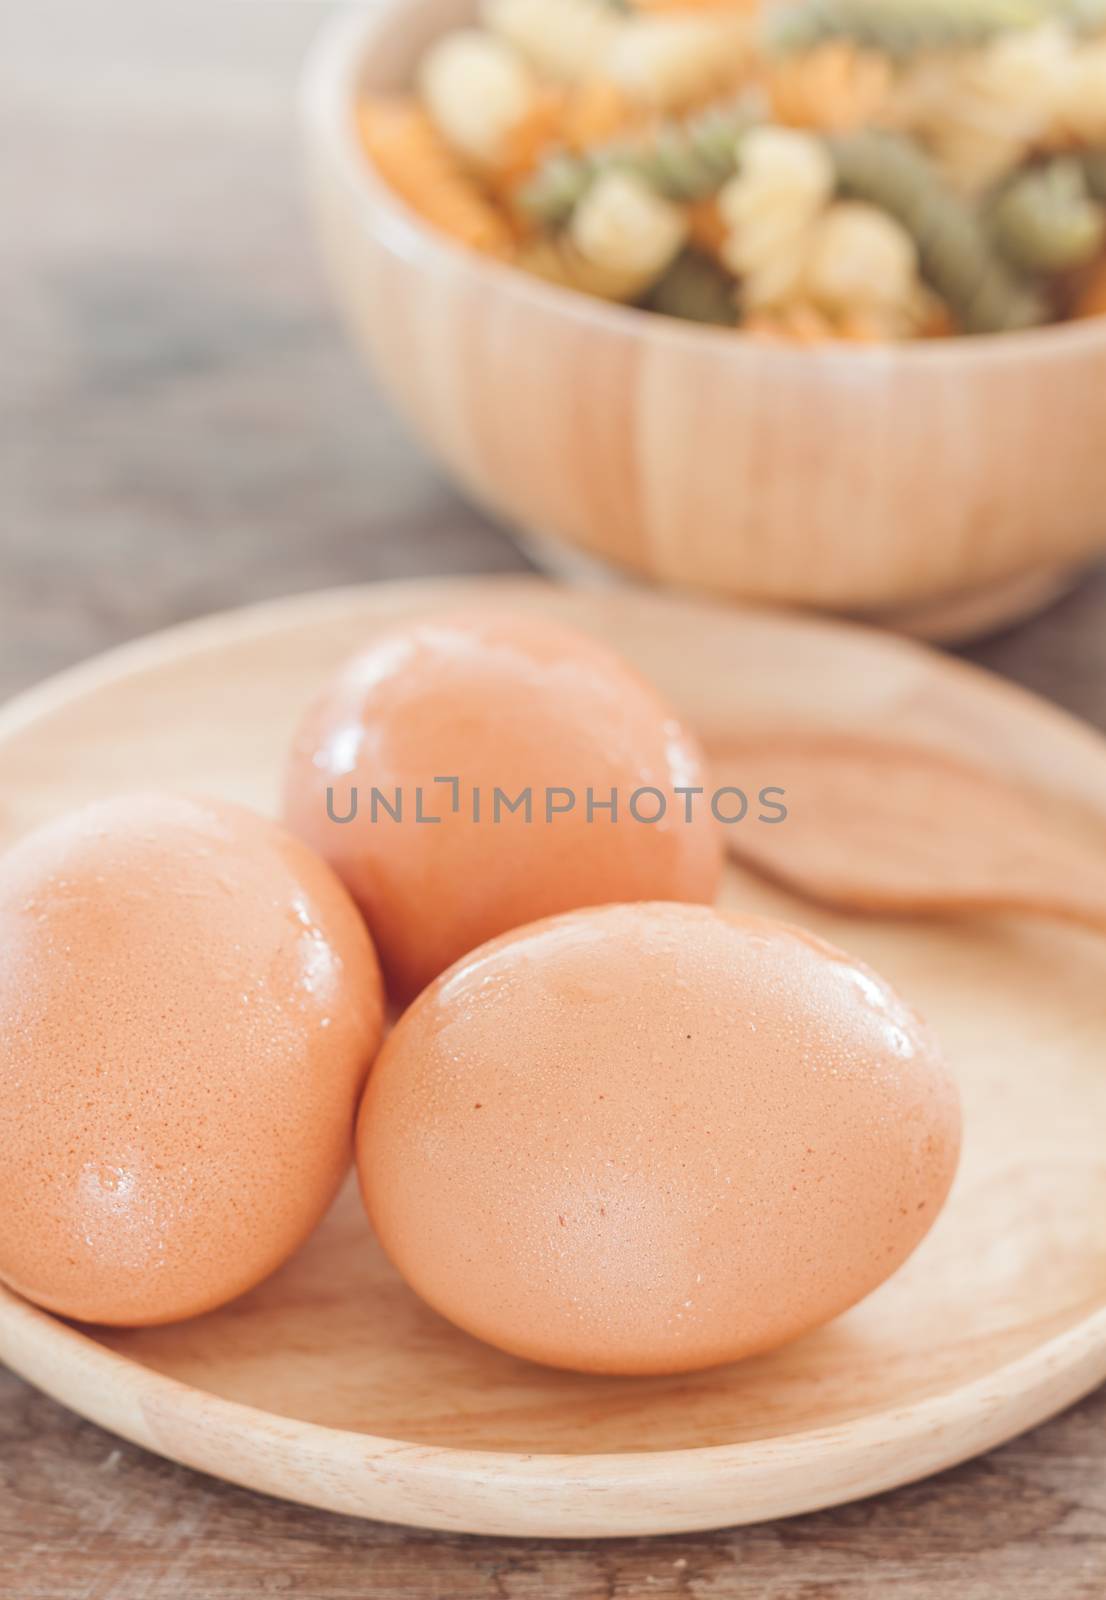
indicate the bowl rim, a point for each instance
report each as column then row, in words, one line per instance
column 328, row 86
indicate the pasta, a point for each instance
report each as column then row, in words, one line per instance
column 786, row 180
column 406, row 148
column 803, row 170
column 556, row 259
column 669, row 6
column 669, row 63
column 690, row 160
column 958, row 258
column 477, row 90
column 565, row 40
column 1094, row 172
column 563, row 120
column 981, row 112
column 860, row 263
column 525, row 143
column 595, row 112
column 897, row 28
column 706, row 229
column 680, row 160
column 1045, row 220
column 624, row 227
column 835, row 87
column 1091, row 300
column 553, row 194
column 802, row 323
column 1080, row 110
column 1085, row 16
column 697, row 289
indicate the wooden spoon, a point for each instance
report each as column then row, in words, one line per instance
column 880, row 825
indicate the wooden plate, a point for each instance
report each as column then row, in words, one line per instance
column 332, row 1385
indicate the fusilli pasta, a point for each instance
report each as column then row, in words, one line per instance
column 979, row 112
column 897, row 28
column 477, row 89
column 564, row 121
column 958, row 258
column 1080, row 107
column 624, row 227
column 669, row 6
column 705, row 228
column 785, row 182
column 689, row 160
column 409, row 153
column 834, row 87
column 1045, row 219
column 680, row 160
column 1085, row 16
column 669, row 63
column 697, row 289
column 1091, row 300
column 806, row 169
column 565, row 40
column 804, row 324
column 1093, row 163
column 557, row 260
column 594, row 113
column 859, row 262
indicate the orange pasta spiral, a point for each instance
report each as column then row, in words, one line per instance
column 803, row 323
column 1091, row 301
column 834, row 88
column 405, row 147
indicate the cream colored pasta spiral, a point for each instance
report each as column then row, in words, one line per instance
column 477, row 88
column 1081, row 107
column 671, row 62
column 861, row 266
column 556, row 259
column 623, row 226
column 563, row 40
column 981, row 111
column 769, row 209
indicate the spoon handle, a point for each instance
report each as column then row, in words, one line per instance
column 882, row 826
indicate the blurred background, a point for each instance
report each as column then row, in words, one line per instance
column 184, row 428
column 184, row 425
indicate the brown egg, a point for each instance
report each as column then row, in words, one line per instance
column 653, row 1138
column 508, row 702
column 189, row 1004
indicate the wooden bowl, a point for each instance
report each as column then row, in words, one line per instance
column 333, row 1385
column 861, row 479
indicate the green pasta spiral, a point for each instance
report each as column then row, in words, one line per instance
column 681, row 160
column 696, row 289
column 556, row 189
column 1094, row 172
column 899, row 28
column 1084, row 16
column 690, row 160
column 1046, row 220
column 957, row 255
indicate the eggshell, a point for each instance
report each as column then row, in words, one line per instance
column 653, row 1138
column 189, row 1004
column 495, row 700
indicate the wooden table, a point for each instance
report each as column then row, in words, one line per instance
column 182, row 428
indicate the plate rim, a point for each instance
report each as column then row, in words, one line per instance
column 979, row 1414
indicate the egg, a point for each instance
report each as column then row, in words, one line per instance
column 189, row 1005
column 654, row 1138
column 409, row 775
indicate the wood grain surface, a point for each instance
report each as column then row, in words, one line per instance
column 182, row 429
